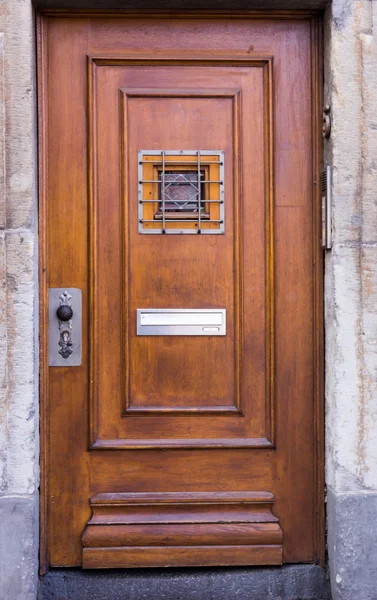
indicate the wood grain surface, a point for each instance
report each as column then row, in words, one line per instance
column 229, row 415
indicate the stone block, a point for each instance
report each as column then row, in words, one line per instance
column 19, row 104
column 352, row 534
column 351, row 359
column 3, row 368
column 367, row 409
column 344, row 367
column 291, row 582
column 2, row 133
column 18, row 548
column 369, row 123
column 344, row 94
column 22, row 417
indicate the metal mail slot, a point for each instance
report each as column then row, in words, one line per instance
column 181, row 321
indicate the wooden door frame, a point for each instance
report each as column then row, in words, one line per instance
column 315, row 18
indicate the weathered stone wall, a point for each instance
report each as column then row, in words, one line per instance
column 351, row 300
column 18, row 306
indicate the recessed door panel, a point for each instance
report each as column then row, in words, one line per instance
column 175, row 390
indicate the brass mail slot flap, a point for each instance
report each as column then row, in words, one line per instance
column 175, row 321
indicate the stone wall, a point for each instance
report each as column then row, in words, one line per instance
column 351, row 299
column 18, row 306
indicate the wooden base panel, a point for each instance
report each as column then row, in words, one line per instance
column 181, row 529
column 181, row 556
column 192, row 534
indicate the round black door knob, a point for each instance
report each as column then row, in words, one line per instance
column 64, row 312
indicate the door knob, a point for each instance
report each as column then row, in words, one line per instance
column 64, row 312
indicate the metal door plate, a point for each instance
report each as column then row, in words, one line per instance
column 181, row 321
column 56, row 328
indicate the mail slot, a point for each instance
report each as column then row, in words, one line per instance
column 164, row 321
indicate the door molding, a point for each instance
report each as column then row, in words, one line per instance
column 181, row 59
column 118, row 533
column 270, row 14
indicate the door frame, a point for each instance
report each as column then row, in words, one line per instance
column 317, row 253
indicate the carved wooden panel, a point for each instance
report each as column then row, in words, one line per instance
column 206, row 386
column 181, row 529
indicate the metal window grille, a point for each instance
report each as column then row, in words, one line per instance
column 181, row 192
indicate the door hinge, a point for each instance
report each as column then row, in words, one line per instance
column 326, row 122
column 326, row 196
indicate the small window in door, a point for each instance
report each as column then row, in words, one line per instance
column 181, row 192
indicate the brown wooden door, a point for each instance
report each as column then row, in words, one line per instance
column 178, row 172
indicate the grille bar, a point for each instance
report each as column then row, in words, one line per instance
column 181, row 220
column 180, row 192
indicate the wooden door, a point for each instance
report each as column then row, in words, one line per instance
column 179, row 158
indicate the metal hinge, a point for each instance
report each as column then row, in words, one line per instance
column 326, row 122
column 326, row 195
